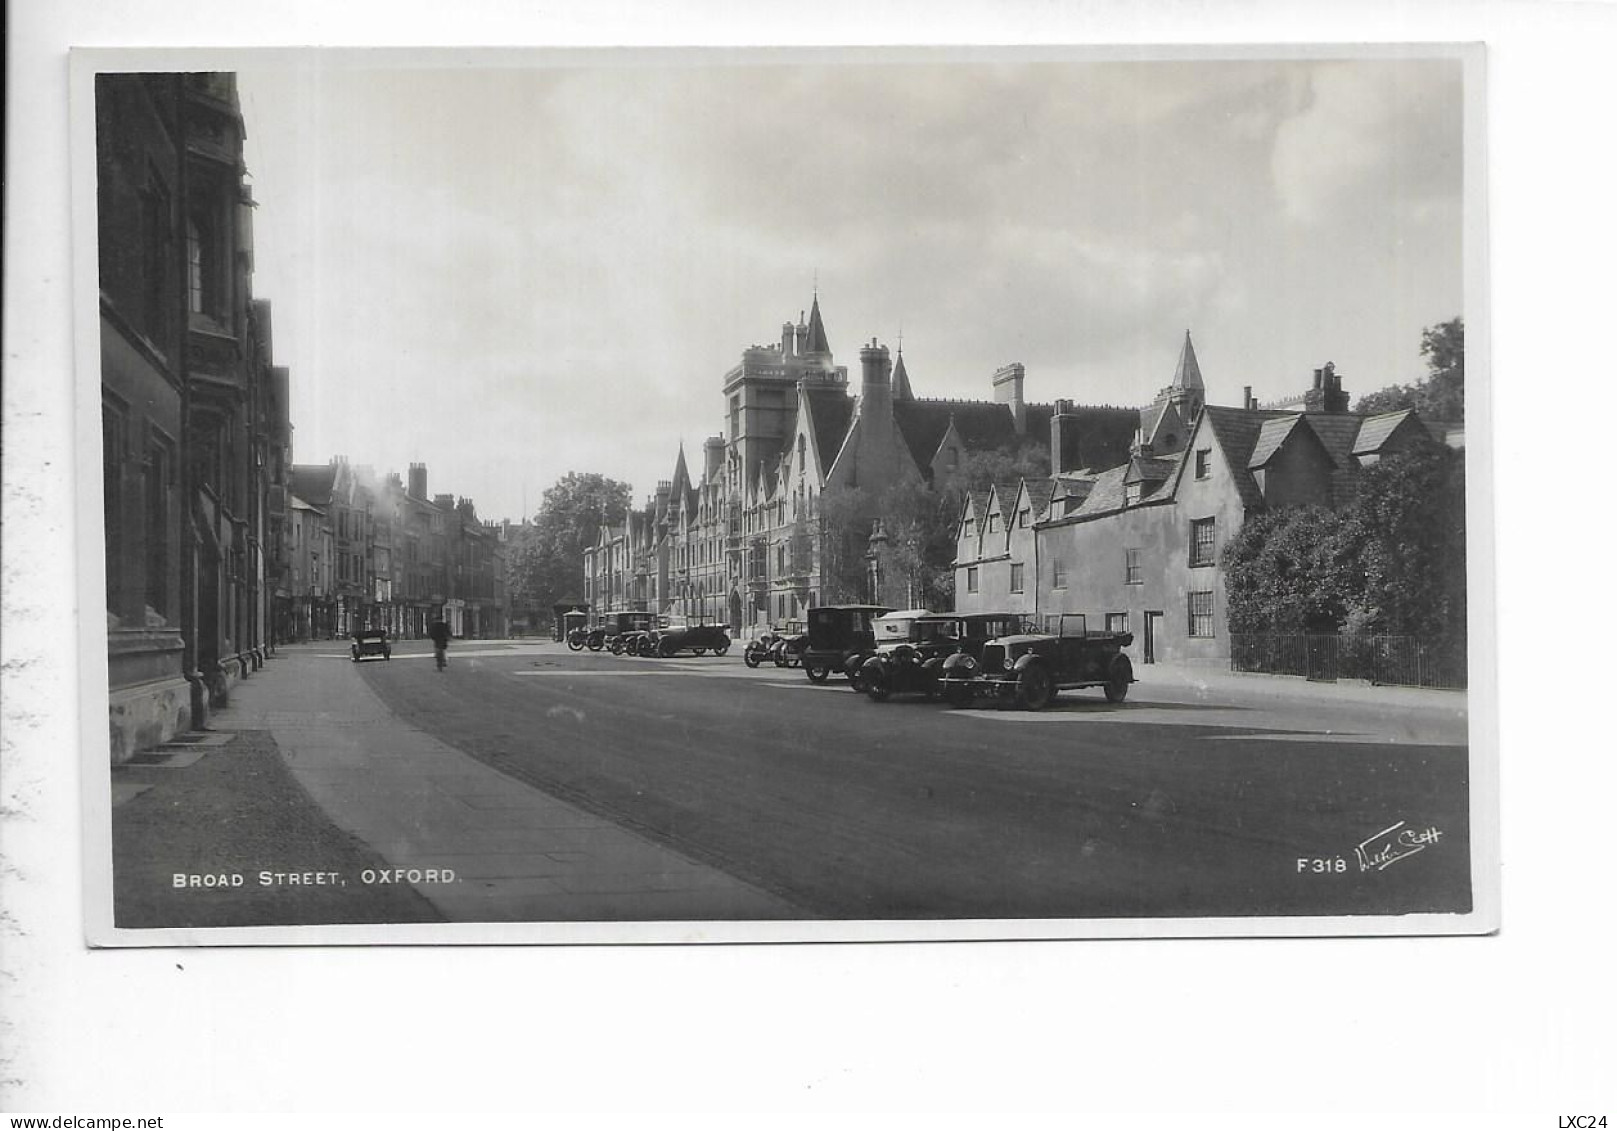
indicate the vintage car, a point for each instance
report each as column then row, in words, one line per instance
column 790, row 643
column 839, row 640
column 911, row 648
column 696, row 637
column 576, row 630
column 371, row 642
column 1028, row 668
column 613, row 632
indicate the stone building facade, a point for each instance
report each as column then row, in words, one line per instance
column 394, row 557
column 195, row 432
column 739, row 536
column 1135, row 546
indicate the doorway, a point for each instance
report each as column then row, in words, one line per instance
column 1153, row 620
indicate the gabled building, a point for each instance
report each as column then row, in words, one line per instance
column 740, row 538
column 1136, row 546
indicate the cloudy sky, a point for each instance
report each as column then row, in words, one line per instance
column 511, row 273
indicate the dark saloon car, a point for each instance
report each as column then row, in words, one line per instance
column 371, row 642
column 1028, row 668
column 839, row 640
column 911, row 648
column 698, row 638
column 612, row 633
column 576, row 630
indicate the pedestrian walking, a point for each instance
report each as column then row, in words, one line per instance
column 439, row 631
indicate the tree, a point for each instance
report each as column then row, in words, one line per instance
column 546, row 566
column 1392, row 563
column 1441, row 395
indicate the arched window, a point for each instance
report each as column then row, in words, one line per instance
column 193, row 263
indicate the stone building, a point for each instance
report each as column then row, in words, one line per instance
column 195, row 431
column 740, row 537
column 1135, row 545
column 398, row 559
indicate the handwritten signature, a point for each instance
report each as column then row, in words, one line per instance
column 1393, row 844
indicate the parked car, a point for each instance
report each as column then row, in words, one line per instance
column 839, row 640
column 371, row 642
column 790, row 644
column 611, row 632
column 576, row 630
column 1029, row 668
column 696, row 637
column 911, row 648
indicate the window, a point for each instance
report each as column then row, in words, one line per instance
column 1204, row 462
column 1201, row 542
column 1016, row 577
column 1117, row 622
column 951, row 458
column 1058, row 574
column 1201, row 613
column 993, row 524
column 1132, row 493
column 1022, row 518
column 971, row 579
column 1133, row 571
column 194, row 257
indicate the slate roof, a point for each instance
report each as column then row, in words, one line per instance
column 1039, row 493
column 1108, row 492
column 832, row 410
column 1236, row 430
column 817, row 342
column 901, row 380
column 313, row 482
column 979, row 510
column 1377, row 430
column 1271, row 438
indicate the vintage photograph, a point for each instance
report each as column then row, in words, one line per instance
column 698, row 495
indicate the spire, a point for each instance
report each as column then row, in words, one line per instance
column 816, row 329
column 682, row 476
column 1188, row 375
column 901, row 380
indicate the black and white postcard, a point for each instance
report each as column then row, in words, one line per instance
column 784, row 495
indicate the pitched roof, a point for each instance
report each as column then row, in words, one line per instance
column 1108, row 493
column 1148, row 469
column 832, row 412
column 817, row 342
column 1236, row 431
column 1271, row 438
column 901, row 380
column 313, row 482
column 979, row 509
column 1377, row 430
column 1039, row 493
column 1187, row 374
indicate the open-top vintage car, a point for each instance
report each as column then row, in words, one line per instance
column 1028, row 668
column 839, row 640
column 697, row 637
column 911, row 648
column 791, row 641
column 614, row 632
column 371, row 642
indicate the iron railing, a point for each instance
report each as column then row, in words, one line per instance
column 1403, row 661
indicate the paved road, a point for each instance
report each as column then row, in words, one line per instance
column 1181, row 801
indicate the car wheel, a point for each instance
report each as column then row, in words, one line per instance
column 665, row 648
column 750, row 656
column 596, row 645
column 721, row 647
column 575, row 645
column 1122, row 674
column 1034, row 689
column 616, row 648
column 817, row 673
column 958, row 694
column 876, row 684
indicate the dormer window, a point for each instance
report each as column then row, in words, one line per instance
column 1204, row 462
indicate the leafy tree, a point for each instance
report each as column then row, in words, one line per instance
column 1391, row 563
column 845, row 518
column 546, row 565
column 1441, row 395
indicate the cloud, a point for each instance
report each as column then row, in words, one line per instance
column 1370, row 135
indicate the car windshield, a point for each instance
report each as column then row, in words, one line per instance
column 888, row 630
column 937, row 630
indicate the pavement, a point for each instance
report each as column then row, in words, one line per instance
column 476, row 844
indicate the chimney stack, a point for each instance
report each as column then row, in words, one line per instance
column 1008, row 391
column 1065, row 454
column 788, row 337
column 712, row 456
column 876, row 368
column 1246, row 397
column 418, row 481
